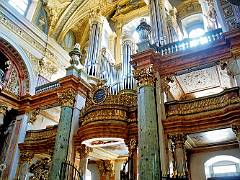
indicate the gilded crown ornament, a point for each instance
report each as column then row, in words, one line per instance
column 66, row 98
column 145, row 77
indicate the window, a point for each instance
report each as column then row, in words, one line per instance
column 224, row 169
column 195, row 34
column 20, row 5
column 222, row 165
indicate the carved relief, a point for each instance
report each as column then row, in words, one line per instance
column 13, row 83
column 105, row 167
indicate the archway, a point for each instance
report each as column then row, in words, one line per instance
column 222, row 165
column 19, row 66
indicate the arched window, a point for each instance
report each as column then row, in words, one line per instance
column 223, row 165
column 20, row 5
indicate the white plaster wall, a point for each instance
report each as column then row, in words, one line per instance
column 94, row 171
column 41, row 123
column 197, row 161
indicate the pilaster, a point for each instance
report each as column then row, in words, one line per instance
column 178, row 141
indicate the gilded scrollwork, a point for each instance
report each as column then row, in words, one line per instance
column 84, row 151
column 145, row 77
column 40, row 169
column 26, row 156
column 178, row 139
column 3, row 109
column 67, row 98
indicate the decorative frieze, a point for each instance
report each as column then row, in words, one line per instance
column 203, row 104
column 67, row 98
column 145, row 77
column 20, row 32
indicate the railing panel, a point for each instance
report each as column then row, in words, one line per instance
column 47, row 87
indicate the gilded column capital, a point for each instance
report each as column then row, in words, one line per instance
column 145, row 77
column 66, row 98
column 84, row 151
column 178, row 139
column 236, row 130
column 33, row 115
column 26, row 156
column 132, row 145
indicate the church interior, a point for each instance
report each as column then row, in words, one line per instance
column 119, row 89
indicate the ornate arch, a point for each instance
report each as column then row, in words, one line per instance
column 17, row 68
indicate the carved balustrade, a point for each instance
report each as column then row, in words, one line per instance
column 47, row 87
column 188, row 43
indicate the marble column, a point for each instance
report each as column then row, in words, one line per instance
column 133, row 159
column 236, row 130
column 3, row 110
column 148, row 139
column 158, row 22
column 83, row 153
column 60, row 153
column 178, row 141
column 95, row 38
column 24, row 165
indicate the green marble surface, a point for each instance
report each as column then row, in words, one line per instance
column 149, row 156
column 61, row 143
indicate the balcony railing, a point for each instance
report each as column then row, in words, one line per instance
column 188, row 43
column 46, row 87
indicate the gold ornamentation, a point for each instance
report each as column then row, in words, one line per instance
column 164, row 83
column 203, row 104
column 132, row 145
column 145, row 77
column 39, row 135
column 67, row 98
column 178, row 139
column 114, row 107
column 33, row 115
column 26, row 156
column 105, row 167
column 40, row 169
column 84, row 151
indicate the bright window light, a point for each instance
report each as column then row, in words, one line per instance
column 136, row 36
column 195, row 33
column 19, row 5
column 224, row 169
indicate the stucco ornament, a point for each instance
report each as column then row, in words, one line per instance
column 66, row 98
